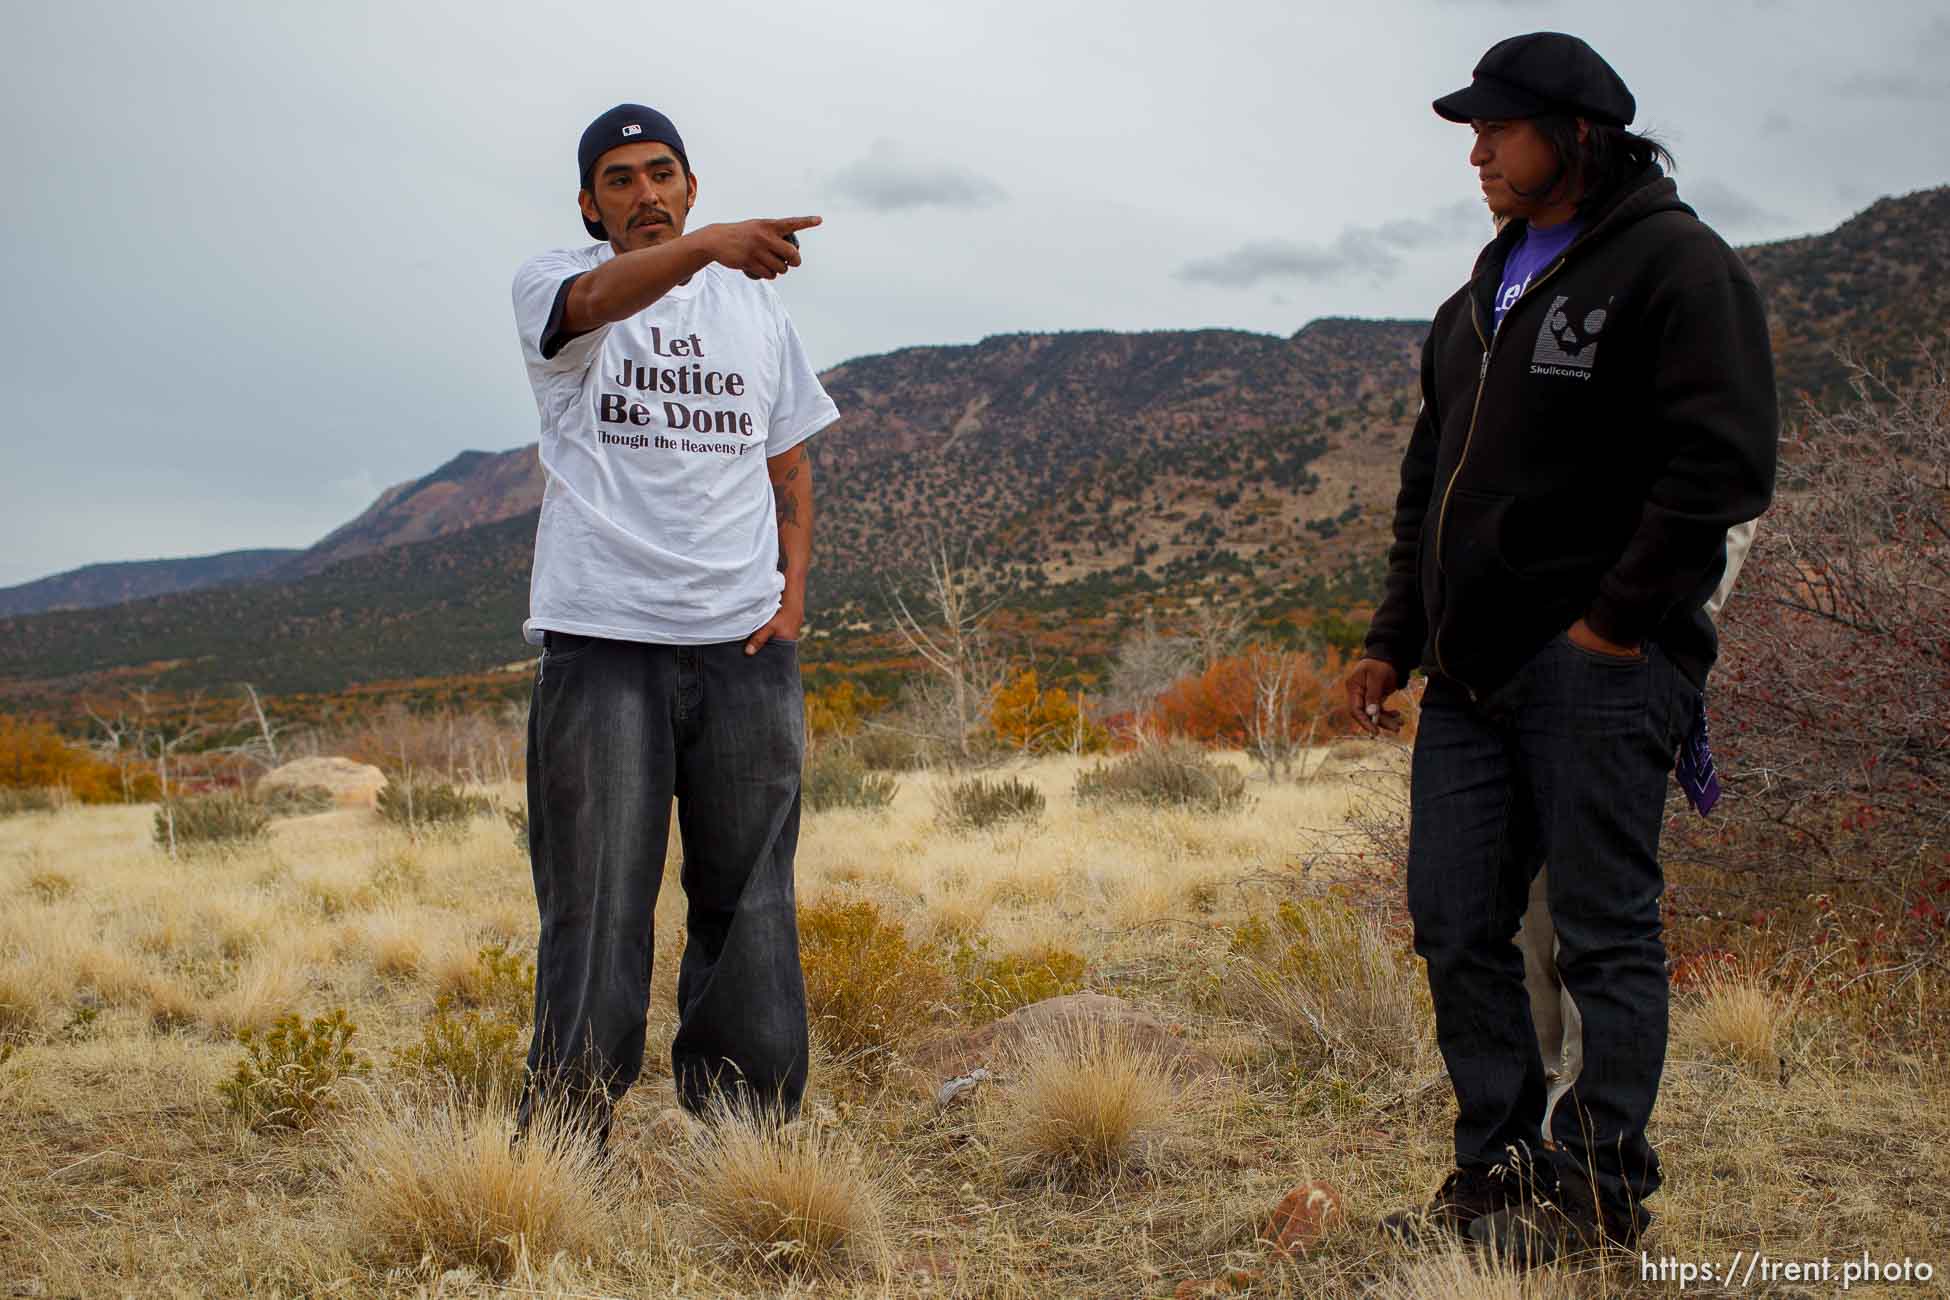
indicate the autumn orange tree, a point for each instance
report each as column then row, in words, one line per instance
column 33, row 755
column 1031, row 720
column 1268, row 702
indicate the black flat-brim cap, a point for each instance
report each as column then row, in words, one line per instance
column 624, row 124
column 1542, row 72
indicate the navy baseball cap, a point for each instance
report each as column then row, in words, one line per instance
column 1543, row 72
column 624, row 124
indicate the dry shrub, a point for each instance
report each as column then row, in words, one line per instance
column 218, row 822
column 495, row 979
column 1173, row 774
column 884, row 749
column 473, row 1055
column 1735, row 1017
column 977, row 804
column 430, row 807
column 992, row 987
column 31, row 799
column 797, row 1199
column 1831, row 711
column 836, row 778
column 290, row 1075
column 868, row 987
column 296, row 800
column 1332, row 984
column 1086, row 1105
column 435, row 1182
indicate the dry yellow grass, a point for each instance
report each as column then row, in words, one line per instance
column 799, row 1200
column 1081, row 1105
column 440, row 1181
column 123, row 1173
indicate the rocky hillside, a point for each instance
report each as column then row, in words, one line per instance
column 96, row 585
column 1076, row 466
column 1877, row 286
column 474, row 488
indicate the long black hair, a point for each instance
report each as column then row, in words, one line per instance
column 1605, row 161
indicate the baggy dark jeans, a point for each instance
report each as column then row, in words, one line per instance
column 1566, row 764
column 616, row 730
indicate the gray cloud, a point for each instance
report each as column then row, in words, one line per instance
column 1895, row 85
column 1358, row 252
column 890, row 179
column 1776, row 123
column 1726, row 209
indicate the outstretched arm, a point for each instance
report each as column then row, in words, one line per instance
column 629, row 282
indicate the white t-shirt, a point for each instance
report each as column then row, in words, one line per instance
column 658, row 522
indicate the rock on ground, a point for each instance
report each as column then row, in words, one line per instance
column 353, row 785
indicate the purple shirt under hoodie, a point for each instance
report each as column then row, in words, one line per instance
column 1536, row 250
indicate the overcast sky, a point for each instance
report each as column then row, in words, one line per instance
column 257, row 253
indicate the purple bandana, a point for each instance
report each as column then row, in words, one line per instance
column 1695, row 771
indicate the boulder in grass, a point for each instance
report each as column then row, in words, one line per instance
column 1303, row 1216
column 352, row 785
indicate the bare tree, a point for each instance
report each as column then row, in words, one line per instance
column 1147, row 664
column 951, row 637
column 1218, row 628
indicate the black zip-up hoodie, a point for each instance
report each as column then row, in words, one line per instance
column 1587, row 461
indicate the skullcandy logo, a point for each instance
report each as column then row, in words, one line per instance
column 1567, row 346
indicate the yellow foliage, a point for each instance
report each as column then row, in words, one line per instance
column 34, row 755
column 840, row 708
column 1035, row 721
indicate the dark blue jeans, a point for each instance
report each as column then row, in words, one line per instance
column 616, row 731
column 1567, row 764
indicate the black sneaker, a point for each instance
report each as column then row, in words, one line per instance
column 1465, row 1197
column 1545, row 1232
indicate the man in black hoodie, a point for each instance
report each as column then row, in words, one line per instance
column 1597, row 410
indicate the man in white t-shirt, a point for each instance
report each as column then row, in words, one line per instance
column 668, row 590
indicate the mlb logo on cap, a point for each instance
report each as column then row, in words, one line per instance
column 633, row 129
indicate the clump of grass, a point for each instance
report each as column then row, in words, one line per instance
column 1175, row 774
column 296, row 800
column 796, row 1200
column 437, row 1181
column 49, row 885
column 16, row 800
column 266, row 984
column 977, row 804
column 1330, row 983
column 399, row 874
column 21, row 1014
column 425, row 807
column 836, row 778
column 1737, row 1018
column 868, row 986
column 290, row 1074
column 1458, row 1274
column 1086, row 1105
column 518, row 823
column 992, row 987
column 216, row 822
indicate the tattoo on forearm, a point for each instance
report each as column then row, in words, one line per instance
column 788, row 510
